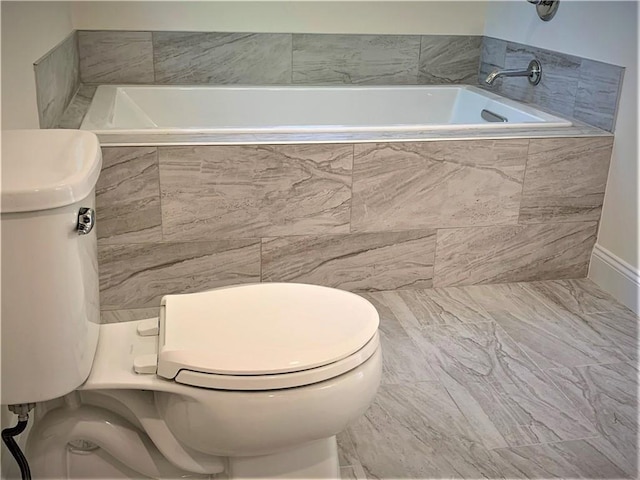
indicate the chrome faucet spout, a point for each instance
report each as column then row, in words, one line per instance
column 533, row 72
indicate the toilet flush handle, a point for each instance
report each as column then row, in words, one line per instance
column 86, row 220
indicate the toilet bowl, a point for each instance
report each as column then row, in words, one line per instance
column 245, row 381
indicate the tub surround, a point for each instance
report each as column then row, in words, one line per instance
column 57, row 80
column 362, row 217
column 571, row 86
column 77, row 108
column 120, row 57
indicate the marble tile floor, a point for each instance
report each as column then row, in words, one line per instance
column 520, row 380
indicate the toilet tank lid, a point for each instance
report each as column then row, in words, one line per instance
column 43, row 169
column 262, row 329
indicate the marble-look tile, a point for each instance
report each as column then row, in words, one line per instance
column 620, row 326
column 506, row 398
column 467, row 256
column 598, row 93
column 255, row 191
column 555, row 337
column 565, row 179
column 361, row 261
column 117, row 316
column 608, row 396
column 346, row 451
column 347, row 473
column 593, row 458
column 493, row 51
column 419, row 309
column 115, row 57
column 128, row 196
column 78, row 107
column 402, row 361
column 430, row 184
column 558, row 86
column 138, row 275
column 222, row 58
column 578, row 296
column 57, row 81
column 417, row 431
column 357, row 59
column 492, row 55
column 448, row 59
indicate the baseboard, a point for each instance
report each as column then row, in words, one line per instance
column 616, row 277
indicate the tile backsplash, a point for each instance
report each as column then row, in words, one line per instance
column 57, row 80
column 267, row 58
column 571, row 86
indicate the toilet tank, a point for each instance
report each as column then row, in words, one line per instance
column 49, row 271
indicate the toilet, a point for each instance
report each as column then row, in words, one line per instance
column 244, row 381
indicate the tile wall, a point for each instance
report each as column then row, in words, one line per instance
column 57, row 77
column 362, row 217
column 571, row 86
column 266, row 58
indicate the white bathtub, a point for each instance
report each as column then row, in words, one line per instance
column 301, row 109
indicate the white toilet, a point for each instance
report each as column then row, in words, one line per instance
column 247, row 381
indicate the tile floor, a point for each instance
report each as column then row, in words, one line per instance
column 521, row 380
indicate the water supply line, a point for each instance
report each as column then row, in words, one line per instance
column 22, row 410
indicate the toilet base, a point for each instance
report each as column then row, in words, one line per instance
column 318, row 459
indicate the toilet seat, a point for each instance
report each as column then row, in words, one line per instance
column 264, row 336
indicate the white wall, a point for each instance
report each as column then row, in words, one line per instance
column 605, row 31
column 427, row 17
column 29, row 30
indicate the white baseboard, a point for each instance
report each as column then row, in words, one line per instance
column 616, row 277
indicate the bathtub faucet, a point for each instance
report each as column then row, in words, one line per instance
column 533, row 71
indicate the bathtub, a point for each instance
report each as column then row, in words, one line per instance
column 125, row 109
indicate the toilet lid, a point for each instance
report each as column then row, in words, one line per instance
column 262, row 329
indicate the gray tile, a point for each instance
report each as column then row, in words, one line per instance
column 620, row 326
column 57, row 81
column 555, row 337
column 220, row 58
column 492, row 57
column 115, row 57
column 493, row 51
column 607, row 396
column 138, row 275
column 594, row 458
column 357, row 59
column 78, row 107
column 429, row 184
column 467, row 256
column 578, row 296
column 565, row 179
column 503, row 395
column 255, row 191
column 347, row 473
column 346, row 452
column 449, row 59
column 560, row 75
column 128, row 196
column 416, row 431
column 117, row 316
column 419, row 309
column 402, row 360
column 598, row 93
column 365, row 261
